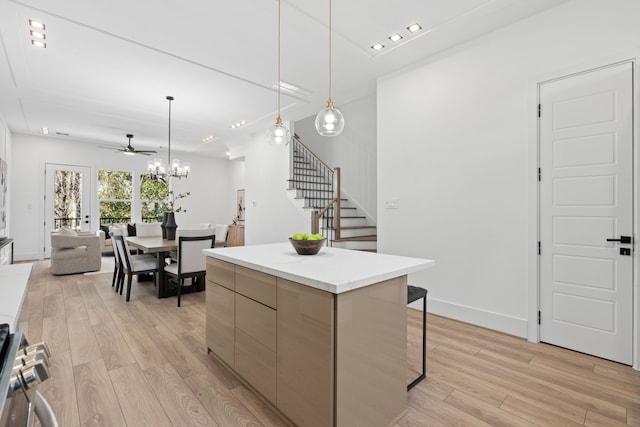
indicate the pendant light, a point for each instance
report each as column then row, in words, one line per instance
column 330, row 121
column 278, row 134
column 174, row 168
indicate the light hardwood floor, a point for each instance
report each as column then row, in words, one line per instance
column 144, row 363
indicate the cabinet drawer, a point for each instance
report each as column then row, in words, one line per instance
column 256, row 285
column 220, row 322
column 255, row 345
column 256, row 364
column 256, row 320
column 221, row 272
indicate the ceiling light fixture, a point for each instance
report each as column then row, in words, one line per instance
column 395, row 37
column 174, row 168
column 238, row 124
column 36, row 24
column 377, row 46
column 207, row 138
column 330, row 121
column 414, row 27
column 278, row 134
column 45, row 131
column 37, row 36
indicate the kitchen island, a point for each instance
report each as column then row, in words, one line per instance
column 322, row 338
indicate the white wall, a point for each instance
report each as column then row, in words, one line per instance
column 354, row 151
column 270, row 215
column 454, row 146
column 208, row 184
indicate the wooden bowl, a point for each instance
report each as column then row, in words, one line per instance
column 307, row 247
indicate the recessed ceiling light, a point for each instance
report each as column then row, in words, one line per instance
column 37, row 43
column 413, row 28
column 395, row 37
column 207, row 138
column 45, row 131
column 37, row 24
column 228, row 153
column 238, row 124
column 377, row 46
column 37, row 35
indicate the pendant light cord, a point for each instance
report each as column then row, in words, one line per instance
column 330, row 64
column 169, row 98
column 279, row 1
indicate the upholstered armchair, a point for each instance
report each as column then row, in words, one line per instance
column 106, row 244
column 75, row 254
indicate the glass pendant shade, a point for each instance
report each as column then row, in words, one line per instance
column 330, row 121
column 278, row 134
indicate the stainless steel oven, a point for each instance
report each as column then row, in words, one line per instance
column 23, row 368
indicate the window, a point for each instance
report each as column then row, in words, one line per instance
column 154, row 193
column 114, row 196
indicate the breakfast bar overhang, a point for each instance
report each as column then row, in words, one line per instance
column 322, row 338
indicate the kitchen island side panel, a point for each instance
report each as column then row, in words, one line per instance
column 371, row 354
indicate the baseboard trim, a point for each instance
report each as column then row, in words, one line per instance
column 487, row 319
column 27, row 257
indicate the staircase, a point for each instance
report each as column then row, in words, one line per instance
column 315, row 187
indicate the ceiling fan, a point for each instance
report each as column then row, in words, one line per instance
column 131, row 151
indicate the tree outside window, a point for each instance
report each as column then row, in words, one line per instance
column 114, row 196
column 154, row 193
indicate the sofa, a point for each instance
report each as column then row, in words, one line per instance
column 106, row 245
column 77, row 253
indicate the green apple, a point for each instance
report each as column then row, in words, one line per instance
column 319, row 236
column 298, row 236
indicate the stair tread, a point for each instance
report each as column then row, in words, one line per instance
column 371, row 238
column 357, row 227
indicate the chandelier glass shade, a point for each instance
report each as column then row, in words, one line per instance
column 330, row 121
column 174, row 168
column 278, row 134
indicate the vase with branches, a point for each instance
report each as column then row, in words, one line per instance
column 169, row 225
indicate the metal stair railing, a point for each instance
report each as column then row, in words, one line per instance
column 319, row 184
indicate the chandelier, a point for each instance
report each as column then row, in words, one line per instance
column 174, row 168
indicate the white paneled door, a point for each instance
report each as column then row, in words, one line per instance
column 586, row 201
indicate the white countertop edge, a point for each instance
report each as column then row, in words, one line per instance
column 410, row 265
column 14, row 279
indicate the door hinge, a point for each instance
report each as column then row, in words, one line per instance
column 539, row 110
column 539, row 248
column 539, row 317
column 539, row 174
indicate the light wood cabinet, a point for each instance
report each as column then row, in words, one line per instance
column 236, row 235
column 220, row 308
column 255, row 345
column 305, row 354
column 220, row 322
column 313, row 354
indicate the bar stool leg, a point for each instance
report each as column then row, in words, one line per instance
column 424, row 341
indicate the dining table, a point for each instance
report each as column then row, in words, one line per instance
column 161, row 248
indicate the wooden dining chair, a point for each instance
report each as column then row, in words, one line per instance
column 191, row 261
column 132, row 265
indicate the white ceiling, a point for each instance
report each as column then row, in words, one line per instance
column 109, row 65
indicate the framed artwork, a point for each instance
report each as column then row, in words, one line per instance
column 240, row 212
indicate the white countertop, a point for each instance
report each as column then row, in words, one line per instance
column 14, row 279
column 332, row 269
